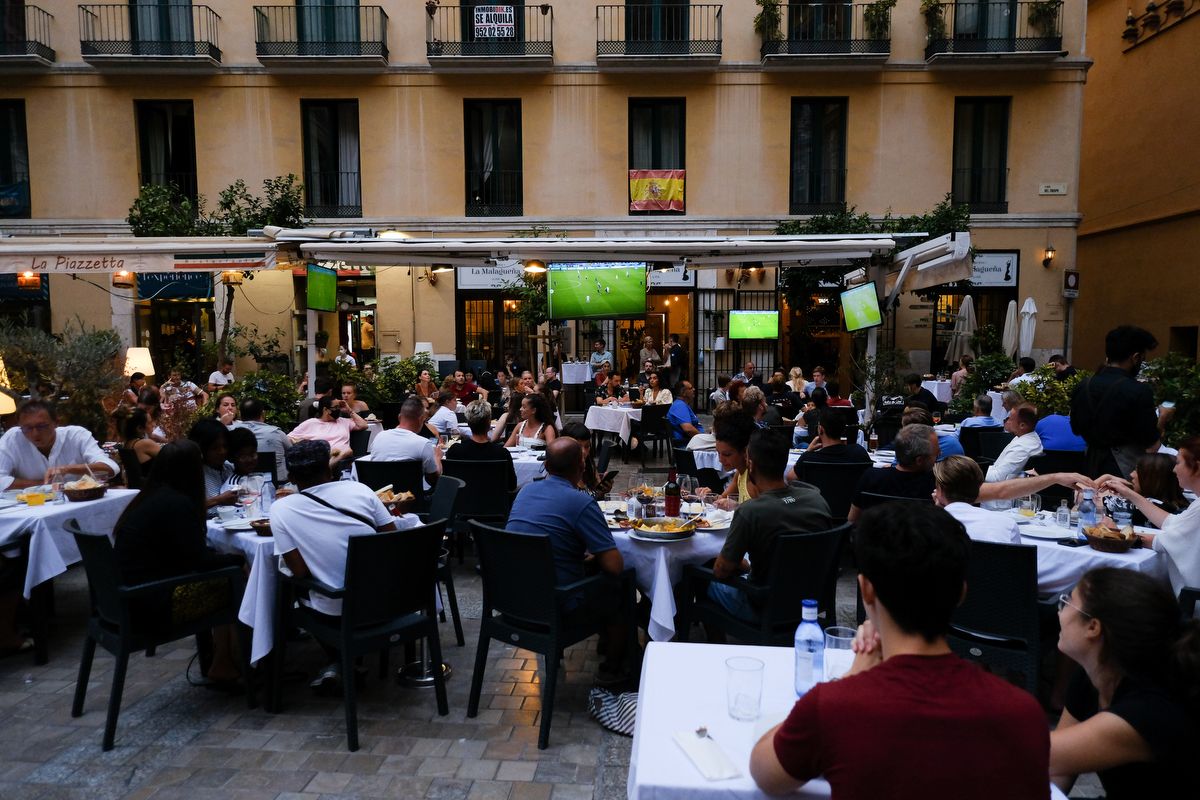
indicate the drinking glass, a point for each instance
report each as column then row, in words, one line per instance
column 1030, row 505
column 839, row 655
column 249, row 490
column 743, row 687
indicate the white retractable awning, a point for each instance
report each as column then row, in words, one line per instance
column 134, row 254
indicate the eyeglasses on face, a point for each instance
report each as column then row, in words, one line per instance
column 1064, row 600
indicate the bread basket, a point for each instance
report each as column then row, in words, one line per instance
column 80, row 495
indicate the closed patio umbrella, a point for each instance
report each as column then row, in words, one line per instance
column 1009, row 339
column 964, row 328
column 1028, row 325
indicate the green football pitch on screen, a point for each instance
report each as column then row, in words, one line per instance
column 612, row 290
column 753, row 324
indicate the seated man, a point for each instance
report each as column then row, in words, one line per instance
column 552, row 383
column 1024, row 371
column 882, row 730
column 312, row 530
column 405, row 443
column 828, row 447
column 776, row 508
column 611, row 393
column 322, row 387
column 1055, row 432
column 958, row 479
column 948, row 444
column 578, row 534
column 465, row 390
column 981, row 416
column 912, row 476
column 270, row 438
column 682, row 417
column 1022, row 423
column 38, row 451
column 918, row 395
column 333, row 424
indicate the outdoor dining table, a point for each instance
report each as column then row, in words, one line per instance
column 1060, row 567
column 614, row 419
column 939, row 389
column 529, row 464
column 683, row 688
column 576, row 372
column 258, row 601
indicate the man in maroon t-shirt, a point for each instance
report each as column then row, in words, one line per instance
column 465, row 390
column 910, row 719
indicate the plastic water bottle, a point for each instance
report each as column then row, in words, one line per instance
column 1087, row 513
column 810, row 650
column 1062, row 517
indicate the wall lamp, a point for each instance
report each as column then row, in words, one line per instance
column 123, row 280
column 231, row 277
column 1048, row 259
column 29, row 280
column 534, row 266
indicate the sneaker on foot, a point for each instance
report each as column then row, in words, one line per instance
column 328, row 681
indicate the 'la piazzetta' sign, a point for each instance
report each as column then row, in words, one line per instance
column 494, row 22
column 132, row 261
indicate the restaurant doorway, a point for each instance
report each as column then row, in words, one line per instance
column 177, row 331
column 990, row 308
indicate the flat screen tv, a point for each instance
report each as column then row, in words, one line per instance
column 602, row 290
column 322, row 289
column 860, row 307
column 753, row 324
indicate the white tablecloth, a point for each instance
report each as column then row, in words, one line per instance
column 614, row 419
column 998, row 412
column 940, row 390
column 1061, row 567
column 258, row 603
column 660, row 566
column 682, row 688
column 51, row 548
column 576, row 372
column 528, row 467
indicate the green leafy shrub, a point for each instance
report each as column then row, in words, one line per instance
column 1050, row 395
column 395, row 379
column 1176, row 378
column 276, row 392
column 986, row 372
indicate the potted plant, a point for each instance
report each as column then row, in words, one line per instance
column 877, row 19
column 1043, row 17
column 768, row 22
column 935, row 19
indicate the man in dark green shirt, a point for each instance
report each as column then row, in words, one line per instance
column 777, row 508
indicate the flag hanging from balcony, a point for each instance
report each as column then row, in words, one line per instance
column 656, row 190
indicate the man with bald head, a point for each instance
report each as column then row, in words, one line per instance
column 578, row 535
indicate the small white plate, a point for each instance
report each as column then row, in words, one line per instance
column 1047, row 532
column 236, row 526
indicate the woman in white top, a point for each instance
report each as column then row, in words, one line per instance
column 656, row 393
column 648, row 353
column 445, row 418
column 536, row 428
column 796, row 380
column 1179, row 536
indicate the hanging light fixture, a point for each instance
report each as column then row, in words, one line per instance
column 440, row 268
column 29, row 281
column 123, row 279
column 535, row 267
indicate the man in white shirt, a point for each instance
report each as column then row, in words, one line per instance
column 38, row 451
column 1021, row 422
column 957, row 480
column 1025, row 368
column 178, row 392
column 270, row 438
column 333, row 424
column 222, row 377
column 312, row 529
column 403, row 443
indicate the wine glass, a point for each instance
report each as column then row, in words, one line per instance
column 249, row 490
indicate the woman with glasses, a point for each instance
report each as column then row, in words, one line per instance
column 1131, row 714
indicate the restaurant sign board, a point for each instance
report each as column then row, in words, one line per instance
column 994, row 269
column 497, row 277
column 494, row 22
column 132, row 261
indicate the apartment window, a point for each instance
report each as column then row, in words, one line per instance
column 167, row 144
column 657, row 143
column 14, row 161
column 161, row 27
column 981, row 154
column 656, row 26
column 493, row 158
column 327, row 22
column 818, row 177
column 332, row 186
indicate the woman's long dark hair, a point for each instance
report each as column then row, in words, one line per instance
column 541, row 409
column 135, row 425
column 579, row 432
column 1156, row 478
column 179, row 466
column 1144, row 635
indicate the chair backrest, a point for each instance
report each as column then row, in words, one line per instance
column 603, row 456
column 490, row 497
column 803, row 566
column 685, row 461
column 992, row 443
column 443, row 503
column 130, row 467
column 968, row 437
column 1001, row 592
column 404, row 476
column 953, row 417
column 391, row 574
column 266, row 463
column 1188, row 597
column 785, row 430
column 389, row 415
column 870, row 499
column 359, row 441
column 518, row 573
column 885, row 430
column 103, row 572
column 653, row 421
column 836, row 482
column 1051, row 461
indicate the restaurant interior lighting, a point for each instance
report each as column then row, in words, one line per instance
column 137, row 359
column 29, row 280
column 123, row 279
column 1049, row 257
column 535, row 266
column 439, row 268
column 231, row 277
column 8, row 405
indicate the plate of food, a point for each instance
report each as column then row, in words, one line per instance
column 667, row 528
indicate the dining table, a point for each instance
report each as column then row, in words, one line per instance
column 617, row 419
column 576, row 372
column 528, row 464
column 682, row 689
column 939, row 389
column 257, row 610
column 1060, row 566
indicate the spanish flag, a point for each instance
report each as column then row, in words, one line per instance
column 656, row 190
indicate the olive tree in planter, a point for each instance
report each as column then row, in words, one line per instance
column 877, row 20
column 768, row 23
column 935, row 19
column 1043, row 17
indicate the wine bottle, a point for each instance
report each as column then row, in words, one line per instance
column 671, row 495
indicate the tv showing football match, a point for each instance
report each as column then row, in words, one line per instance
column 860, row 307
column 753, row 324
column 606, row 290
column 321, row 294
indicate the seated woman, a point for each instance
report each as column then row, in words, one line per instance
column 1154, row 478
column 796, row 380
column 445, row 418
column 138, row 439
column 536, row 426
column 150, row 401
column 656, row 394
column 1179, row 535
column 505, row 388
column 591, row 481
column 213, row 440
column 612, row 392
column 227, row 406
column 732, row 428
column 479, row 445
column 148, row 550
column 1131, row 713
column 425, row 385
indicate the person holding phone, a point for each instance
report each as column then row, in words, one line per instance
column 591, row 481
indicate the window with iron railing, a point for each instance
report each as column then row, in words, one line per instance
column 494, row 182
column 14, row 161
column 338, row 28
column 980, row 162
column 167, row 144
column 657, row 151
column 818, row 173
column 24, row 30
column 332, row 186
column 658, row 28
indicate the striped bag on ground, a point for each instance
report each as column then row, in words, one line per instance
column 616, row 712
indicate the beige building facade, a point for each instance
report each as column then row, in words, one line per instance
column 834, row 109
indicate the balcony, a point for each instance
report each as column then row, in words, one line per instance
column 477, row 38
column 824, row 33
column 1029, row 32
column 174, row 36
column 332, row 194
column 314, row 37
column 495, row 193
column 14, row 196
column 25, row 38
column 983, row 190
column 821, row 191
column 658, row 36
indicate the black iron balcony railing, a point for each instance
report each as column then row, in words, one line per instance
column 658, row 30
column 820, row 191
column 14, row 196
column 26, row 32
column 994, row 27
column 185, row 182
column 831, row 29
column 494, row 193
column 149, row 29
column 503, row 30
column 282, row 31
column 982, row 190
column 332, row 194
